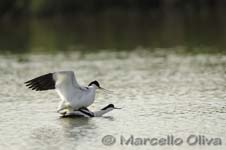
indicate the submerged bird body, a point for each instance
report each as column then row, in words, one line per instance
column 73, row 95
column 87, row 113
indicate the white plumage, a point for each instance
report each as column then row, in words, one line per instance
column 73, row 95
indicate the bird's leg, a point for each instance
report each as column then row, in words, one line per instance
column 67, row 110
column 62, row 106
column 59, row 110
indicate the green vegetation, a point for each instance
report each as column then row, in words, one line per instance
column 34, row 8
column 92, row 25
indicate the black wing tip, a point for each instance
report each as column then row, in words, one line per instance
column 27, row 82
column 30, row 86
column 41, row 83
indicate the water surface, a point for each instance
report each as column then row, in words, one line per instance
column 161, row 94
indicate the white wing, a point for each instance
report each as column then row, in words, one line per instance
column 67, row 86
column 64, row 82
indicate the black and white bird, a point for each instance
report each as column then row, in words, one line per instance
column 83, row 112
column 73, row 95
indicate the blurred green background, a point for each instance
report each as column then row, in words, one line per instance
column 90, row 25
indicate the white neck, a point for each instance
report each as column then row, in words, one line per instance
column 102, row 112
column 93, row 89
column 94, row 86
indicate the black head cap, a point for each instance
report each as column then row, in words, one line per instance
column 94, row 82
column 108, row 106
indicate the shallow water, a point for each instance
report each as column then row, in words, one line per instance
column 161, row 94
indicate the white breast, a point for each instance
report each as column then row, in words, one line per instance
column 88, row 97
column 78, row 99
column 72, row 93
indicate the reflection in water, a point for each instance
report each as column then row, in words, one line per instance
column 78, row 129
column 15, row 36
column 111, row 118
column 117, row 31
column 66, row 133
column 46, row 135
column 70, row 123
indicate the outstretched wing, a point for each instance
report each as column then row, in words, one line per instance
column 57, row 80
column 42, row 83
column 64, row 82
column 67, row 86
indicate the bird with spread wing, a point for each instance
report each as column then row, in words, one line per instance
column 73, row 96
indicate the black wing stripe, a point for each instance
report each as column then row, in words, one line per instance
column 87, row 113
column 35, row 84
column 44, row 82
column 48, row 85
